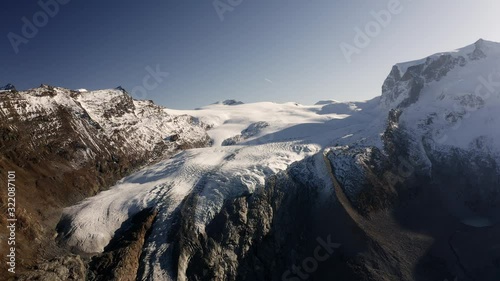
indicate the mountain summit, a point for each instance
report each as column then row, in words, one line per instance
column 405, row 83
column 8, row 87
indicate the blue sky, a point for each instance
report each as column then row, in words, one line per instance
column 259, row 50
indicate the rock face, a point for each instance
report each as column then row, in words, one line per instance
column 405, row 82
column 66, row 145
column 121, row 258
column 58, row 269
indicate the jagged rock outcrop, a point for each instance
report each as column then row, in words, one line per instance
column 7, row 88
column 405, row 82
column 229, row 102
column 252, row 130
column 121, row 258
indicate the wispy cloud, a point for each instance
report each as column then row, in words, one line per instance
column 268, row 80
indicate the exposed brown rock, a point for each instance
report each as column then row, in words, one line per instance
column 120, row 260
column 61, row 157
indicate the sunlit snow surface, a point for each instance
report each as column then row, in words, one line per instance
column 464, row 104
column 220, row 172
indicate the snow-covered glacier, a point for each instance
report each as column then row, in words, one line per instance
column 441, row 112
column 217, row 173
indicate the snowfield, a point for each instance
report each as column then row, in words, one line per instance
column 216, row 173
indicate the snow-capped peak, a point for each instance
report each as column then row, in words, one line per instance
column 120, row 88
column 450, row 97
column 480, row 49
column 7, row 87
column 487, row 47
column 46, row 86
column 404, row 84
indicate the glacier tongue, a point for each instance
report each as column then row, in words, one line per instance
column 213, row 174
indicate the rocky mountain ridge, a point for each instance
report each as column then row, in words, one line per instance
column 67, row 145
